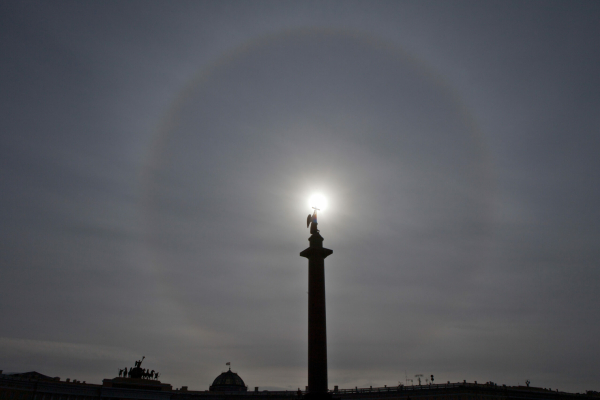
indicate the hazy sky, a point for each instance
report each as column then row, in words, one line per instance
column 156, row 159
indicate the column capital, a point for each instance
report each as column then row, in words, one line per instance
column 320, row 252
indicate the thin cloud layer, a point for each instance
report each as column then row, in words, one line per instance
column 157, row 159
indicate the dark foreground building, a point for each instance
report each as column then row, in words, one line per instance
column 36, row 386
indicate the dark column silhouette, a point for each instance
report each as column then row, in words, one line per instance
column 317, row 328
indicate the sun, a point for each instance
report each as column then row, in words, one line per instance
column 318, row 200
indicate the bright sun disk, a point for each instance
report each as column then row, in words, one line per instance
column 317, row 200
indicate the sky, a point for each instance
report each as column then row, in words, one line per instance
column 156, row 160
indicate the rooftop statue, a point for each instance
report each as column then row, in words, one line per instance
column 312, row 221
column 138, row 372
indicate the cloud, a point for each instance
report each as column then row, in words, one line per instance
column 15, row 350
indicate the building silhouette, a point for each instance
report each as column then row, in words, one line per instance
column 36, row 386
column 228, row 382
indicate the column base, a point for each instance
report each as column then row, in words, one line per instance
column 318, row 396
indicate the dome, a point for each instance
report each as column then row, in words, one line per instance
column 228, row 382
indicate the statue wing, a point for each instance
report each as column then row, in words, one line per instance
column 308, row 220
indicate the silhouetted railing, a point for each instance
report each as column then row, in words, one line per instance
column 401, row 388
column 385, row 389
column 412, row 388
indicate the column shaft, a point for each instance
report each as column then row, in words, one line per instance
column 317, row 326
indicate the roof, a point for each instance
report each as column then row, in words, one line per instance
column 31, row 375
column 228, row 381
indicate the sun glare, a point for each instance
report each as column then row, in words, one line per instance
column 318, row 200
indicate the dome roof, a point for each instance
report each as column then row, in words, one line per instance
column 228, row 382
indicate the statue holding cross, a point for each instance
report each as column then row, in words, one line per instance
column 312, row 221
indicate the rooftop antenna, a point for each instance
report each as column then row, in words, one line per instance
column 418, row 376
